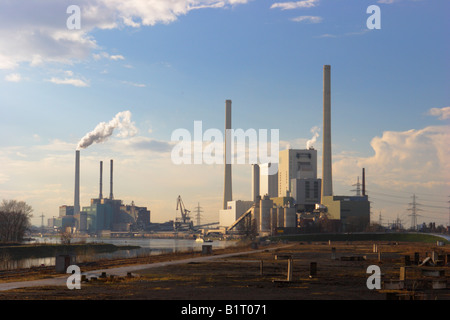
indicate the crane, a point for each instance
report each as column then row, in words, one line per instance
column 184, row 223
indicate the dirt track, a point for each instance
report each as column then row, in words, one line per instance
column 241, row 277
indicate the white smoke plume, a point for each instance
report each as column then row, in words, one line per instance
column 315, row 131
column 122, row 122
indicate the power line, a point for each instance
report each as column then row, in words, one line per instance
column 198, row 215
column 414, row 214
column 358, row 188
column 429, row 204
column 402, row 197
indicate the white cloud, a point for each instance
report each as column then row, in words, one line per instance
column 393, row 1
column 234, row 2
column 116, row 57
column 35, row 32
column 13, row 77
column 295, row 4
column 98, row 56
column 442, row 113
column 69, row 81
column 403, row 163
column 327, row 35
column 310, row 19
column 134, row 84
column 413, row 158
column 347, row 34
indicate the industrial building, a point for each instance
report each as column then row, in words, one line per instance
column 297, row 177
column 235, row 209
column 280, row 201
column 266, row 212
column 268, row 183
column 295, row 164
column 263, row 218
column 352, row 212
column 66, row 211
column 306, row 193
column 103, row 214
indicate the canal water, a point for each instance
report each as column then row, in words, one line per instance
column 147, row 247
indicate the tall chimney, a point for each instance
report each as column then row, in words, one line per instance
column 227, row 193
column 327, row 182
column 255, row 182
column 76, row 201
column 111, row 182
column 363, row 182
column 100, row 196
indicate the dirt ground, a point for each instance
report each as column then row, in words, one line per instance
column 254, row 276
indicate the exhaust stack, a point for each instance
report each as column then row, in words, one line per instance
column 255, row 182
column 363, row 182
column 76, row 201
column 111, row 182
column 327, row 182
column 227, row 193
column 100, row 196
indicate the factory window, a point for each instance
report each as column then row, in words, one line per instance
column 303, row 155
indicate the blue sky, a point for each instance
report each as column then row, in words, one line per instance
column 170, row 64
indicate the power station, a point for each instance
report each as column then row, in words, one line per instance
column 293, row 199
column 103, row 215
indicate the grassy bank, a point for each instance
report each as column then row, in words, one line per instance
column 397, row 237
column 17, row 252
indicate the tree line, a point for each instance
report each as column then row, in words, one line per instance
column 14, row 220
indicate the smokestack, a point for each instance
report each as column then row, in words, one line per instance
column 111, row 182
column 100, row 196
column 255, row 182
column 227, row 193
column 327, row 182
column 363, row 182
column 76, row 201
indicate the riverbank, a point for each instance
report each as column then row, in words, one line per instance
column 41, row 272
column 367, row 236
column 258, row 275
column 38, row 250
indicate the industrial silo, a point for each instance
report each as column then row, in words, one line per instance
column 290, row 218
column 273, row 219
column 264, row 209
column 280, row 222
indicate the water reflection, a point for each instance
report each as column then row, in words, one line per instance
column 148, row 247
column 26, row 263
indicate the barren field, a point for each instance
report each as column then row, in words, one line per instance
column 254, row 276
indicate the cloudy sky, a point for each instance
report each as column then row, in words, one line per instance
column 138, row 70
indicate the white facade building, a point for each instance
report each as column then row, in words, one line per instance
column 268, row 184
column 233, row 212
column 295, row 164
